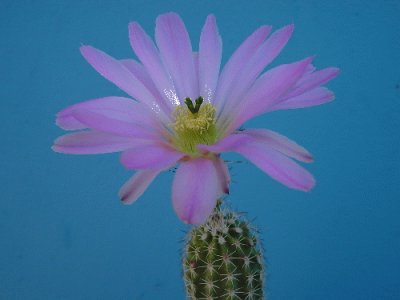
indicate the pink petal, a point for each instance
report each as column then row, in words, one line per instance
column 176, row 52
column 310, row 69
column 275, row 164
column 314, row 97
column 223, row 175
column 195, row 190
column 118, row 108
column 236, row 63
column 269, row 50
column 196, row 68
column 279, row 167
column 141, row 74
column 210, row 52
column 267, row 90
column 91, row 142
column 150, row 156
column 312, row 80
column 227, row 144
column 136, row 185
column 279, row 143
column 117, row 73
column 101, row 122
column 263, row 56
column 147, row 52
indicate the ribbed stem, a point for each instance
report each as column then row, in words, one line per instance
column 223, row 259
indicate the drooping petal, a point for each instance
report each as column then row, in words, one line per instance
column 278, row 167
column 101, row 122
column 279, row 143
column 275, row 164
column 210, row 52
column 148, row 54
column 236, row 63
column 118, row 74
column 176, row 52
column 314, row 97
column 150, row 156
column 119, row 108
column 136, row 185
column 223, row 175
column 267, row 90
column 195, row 190
column 91, row 142
column 263, row 56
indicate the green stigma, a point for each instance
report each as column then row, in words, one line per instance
column 194, row 109
column 194, row 124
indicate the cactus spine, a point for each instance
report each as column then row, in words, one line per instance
column 223, row 259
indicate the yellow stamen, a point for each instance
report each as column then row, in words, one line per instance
column 193, row 128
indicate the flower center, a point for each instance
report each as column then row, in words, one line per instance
column 194, row 124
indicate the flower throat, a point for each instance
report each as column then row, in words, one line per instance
column 194, row 124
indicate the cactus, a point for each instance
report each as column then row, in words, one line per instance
column 223, row 259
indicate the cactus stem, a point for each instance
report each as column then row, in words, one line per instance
column 223, row 259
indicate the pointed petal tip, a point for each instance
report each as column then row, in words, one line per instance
column 57, row 121
column 54, row 148
column 170, row 14
column 309, row 59
column 309, row 159
column 288, row 29
column 60, row 149
column 134, row 188
column 264, row 30
column 122, row 195
column 305, row 186
column 330, row 96
column 309, row 187
column 211, row 21
column 335, row 72
column 89, row 53
column 211, row 18
column 304, row 63
column 85, row 49
column 125, row 199
column 133, row 26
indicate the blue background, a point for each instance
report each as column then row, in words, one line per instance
column 65, row 235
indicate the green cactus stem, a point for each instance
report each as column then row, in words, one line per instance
column 223, row 259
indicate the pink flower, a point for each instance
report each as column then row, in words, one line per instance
column 186, row 112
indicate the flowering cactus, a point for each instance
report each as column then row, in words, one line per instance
column 186, row 112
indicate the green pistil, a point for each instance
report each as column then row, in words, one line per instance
column 194, row 124
column 189, row 103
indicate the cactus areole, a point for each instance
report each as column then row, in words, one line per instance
column 223, row 259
